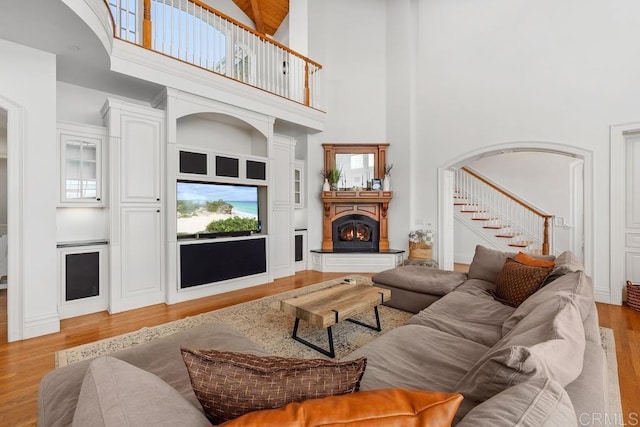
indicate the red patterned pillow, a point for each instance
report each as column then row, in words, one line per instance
column 516, row 282
column 229, row 384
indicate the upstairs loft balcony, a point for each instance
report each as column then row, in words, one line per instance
column 197, row 34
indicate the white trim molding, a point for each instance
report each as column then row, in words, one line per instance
column 617, row 198
column 42, row 324
column 15, row 170
column 603, row 293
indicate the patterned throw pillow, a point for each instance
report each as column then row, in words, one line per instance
column 229, row 384
column 516, row 282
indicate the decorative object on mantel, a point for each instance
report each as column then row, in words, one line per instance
column 332, row 176
column 386, row 184
column 325, row 185
column 420, row 244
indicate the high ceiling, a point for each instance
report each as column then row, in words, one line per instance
column 266, row 14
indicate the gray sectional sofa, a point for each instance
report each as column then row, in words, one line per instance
column 540, row 364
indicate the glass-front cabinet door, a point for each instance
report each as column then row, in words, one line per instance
column 81, row 168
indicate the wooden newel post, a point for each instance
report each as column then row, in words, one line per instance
column 146, row 25
column 545, row 237
column 307, row 99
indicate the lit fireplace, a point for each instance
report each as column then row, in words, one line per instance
column 355, row 233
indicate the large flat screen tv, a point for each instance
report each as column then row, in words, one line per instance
column 209, row 209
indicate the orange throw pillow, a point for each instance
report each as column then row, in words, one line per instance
column 392, row 407
column 525, row 259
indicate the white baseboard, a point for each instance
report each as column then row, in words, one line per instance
column 604, row 295
column 43, row 324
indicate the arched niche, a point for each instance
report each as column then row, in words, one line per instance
column 220, row 133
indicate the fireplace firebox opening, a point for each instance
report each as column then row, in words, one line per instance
column 355, row 233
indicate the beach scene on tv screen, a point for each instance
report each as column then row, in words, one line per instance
column 216, row 208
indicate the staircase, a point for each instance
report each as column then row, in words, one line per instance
column 499, row 216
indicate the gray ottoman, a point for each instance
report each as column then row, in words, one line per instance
column 413, row 287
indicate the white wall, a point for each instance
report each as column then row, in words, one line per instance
column 82, row 224
column 232, row 136
column 30, row 82
column 497, row 71
column 349, row 40
column 82, row 105
column 401, row 36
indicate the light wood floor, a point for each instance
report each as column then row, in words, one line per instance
column 24, row 363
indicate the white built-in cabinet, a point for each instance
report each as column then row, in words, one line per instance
column 136, row 136
column 81, row 156
column 298, row 184
column 140, row 158
column 83, row 278
column 281, row 229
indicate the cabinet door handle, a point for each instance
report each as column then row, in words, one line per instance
column 158, row 210
column 158, row 199
column 98, row 198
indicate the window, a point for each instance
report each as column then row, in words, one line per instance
column 190, row 35
column 125, row 14
column 244, row 64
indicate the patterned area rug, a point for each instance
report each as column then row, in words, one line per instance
column 609, row 346
column 263, row 322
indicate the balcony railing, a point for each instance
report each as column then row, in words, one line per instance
column 195, row 33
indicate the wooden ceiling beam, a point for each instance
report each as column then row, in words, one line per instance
column 257, row 16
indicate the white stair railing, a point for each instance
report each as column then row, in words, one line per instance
column 521, row 224
column 195, row 33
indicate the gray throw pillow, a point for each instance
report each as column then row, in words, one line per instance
column 535, row 403
column 577, row 286
column 117, row 394
column 548, row 343
column 566, row 262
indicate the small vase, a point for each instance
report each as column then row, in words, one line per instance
column 325, row 185
column 386, row 184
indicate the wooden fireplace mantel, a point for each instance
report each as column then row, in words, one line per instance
column 373, row 204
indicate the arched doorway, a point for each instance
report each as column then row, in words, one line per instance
column 582, row 170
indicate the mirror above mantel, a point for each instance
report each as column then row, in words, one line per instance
column 359, row 163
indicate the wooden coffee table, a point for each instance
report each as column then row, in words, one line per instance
column 326, row 307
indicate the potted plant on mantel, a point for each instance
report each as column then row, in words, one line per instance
column 331, row 178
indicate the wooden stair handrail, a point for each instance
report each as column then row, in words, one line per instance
column 545, row 216
column 506, row 193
